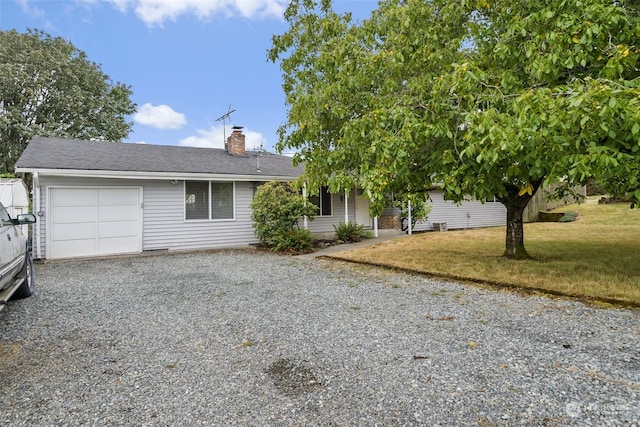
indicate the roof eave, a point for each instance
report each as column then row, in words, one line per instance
column 153, row 175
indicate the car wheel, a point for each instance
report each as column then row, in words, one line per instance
column 28, row 285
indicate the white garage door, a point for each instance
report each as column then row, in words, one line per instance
column 94, row 221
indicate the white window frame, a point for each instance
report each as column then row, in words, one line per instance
column 320, row 206
column 209, row 201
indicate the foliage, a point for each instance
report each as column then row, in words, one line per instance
column 276, row 208
column 293, row 241
column 420, row 207
column 487, row 99
column 351, row 232
column 49, row 88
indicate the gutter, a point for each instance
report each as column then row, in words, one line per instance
column 155, row 175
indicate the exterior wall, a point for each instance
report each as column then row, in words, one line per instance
column 324, row 224
column 164, row 226
column 470, row 214
column 163, row 222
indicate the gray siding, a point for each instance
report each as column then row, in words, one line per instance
column 165, row 228
column 470, row 214
column 323, row 224
column 163, row 221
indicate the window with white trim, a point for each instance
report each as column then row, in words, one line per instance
column 323, row 202
column 208, row 200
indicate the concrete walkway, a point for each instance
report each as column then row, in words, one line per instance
column 383, row 235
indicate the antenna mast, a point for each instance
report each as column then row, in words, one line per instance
column 223, row 118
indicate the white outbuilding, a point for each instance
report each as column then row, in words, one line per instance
column 14, row 196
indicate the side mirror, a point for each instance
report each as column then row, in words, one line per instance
column 26, row 219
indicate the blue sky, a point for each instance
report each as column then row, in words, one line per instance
column 186, row 61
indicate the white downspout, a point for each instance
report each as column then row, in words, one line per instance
column 36, row 209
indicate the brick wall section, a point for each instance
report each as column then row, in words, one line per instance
column 389, row 221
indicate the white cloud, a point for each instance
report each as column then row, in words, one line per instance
column 30, row 9
column 156, row 12
column 160, row 117
column 215, row 137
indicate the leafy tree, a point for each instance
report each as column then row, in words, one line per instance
column 482, row 98
column 49, row 88
column 276, row 209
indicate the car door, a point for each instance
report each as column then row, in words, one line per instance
column 10, row 248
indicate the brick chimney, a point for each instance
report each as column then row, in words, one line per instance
column 235, row 142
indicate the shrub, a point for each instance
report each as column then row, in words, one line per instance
column 277, row 207
column 293, row 241
column 351, row 232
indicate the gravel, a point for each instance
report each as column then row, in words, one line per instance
column 250, row 338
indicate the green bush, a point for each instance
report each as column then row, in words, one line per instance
column 277, row 208
column 293, row 241
column 351, row 232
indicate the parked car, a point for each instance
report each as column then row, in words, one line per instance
column 16, row 262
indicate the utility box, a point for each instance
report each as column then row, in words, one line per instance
column 439, row 226
column 15, row 198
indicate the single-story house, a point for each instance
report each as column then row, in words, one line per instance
column 97, row 198
column 102, row 198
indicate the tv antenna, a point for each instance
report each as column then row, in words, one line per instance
column 223, row 118
column 259, row 150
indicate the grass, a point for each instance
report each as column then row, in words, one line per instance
column 597, row 257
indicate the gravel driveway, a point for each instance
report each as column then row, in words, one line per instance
column 243, row 338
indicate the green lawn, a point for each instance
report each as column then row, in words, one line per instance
column 597, row 257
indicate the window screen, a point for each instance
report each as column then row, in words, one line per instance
column 221, row 200
column 196, row 199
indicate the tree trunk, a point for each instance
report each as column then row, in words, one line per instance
column 514, row 243
column 516, row 204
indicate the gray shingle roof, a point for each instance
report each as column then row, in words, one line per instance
column 71, row 154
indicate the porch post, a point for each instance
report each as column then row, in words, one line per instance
column 375, row 226
column 346, row 207
column 305, row 221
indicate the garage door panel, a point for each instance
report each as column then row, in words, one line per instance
column 74, row 231
column 108, row 196
column 118, row 229
column 74, row 248
column 74, row 197
column 94, row 221
column 73, row 214
column 118, row 213
column 115, row 245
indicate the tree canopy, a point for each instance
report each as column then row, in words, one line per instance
column 484, row 99
column 48, row 87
